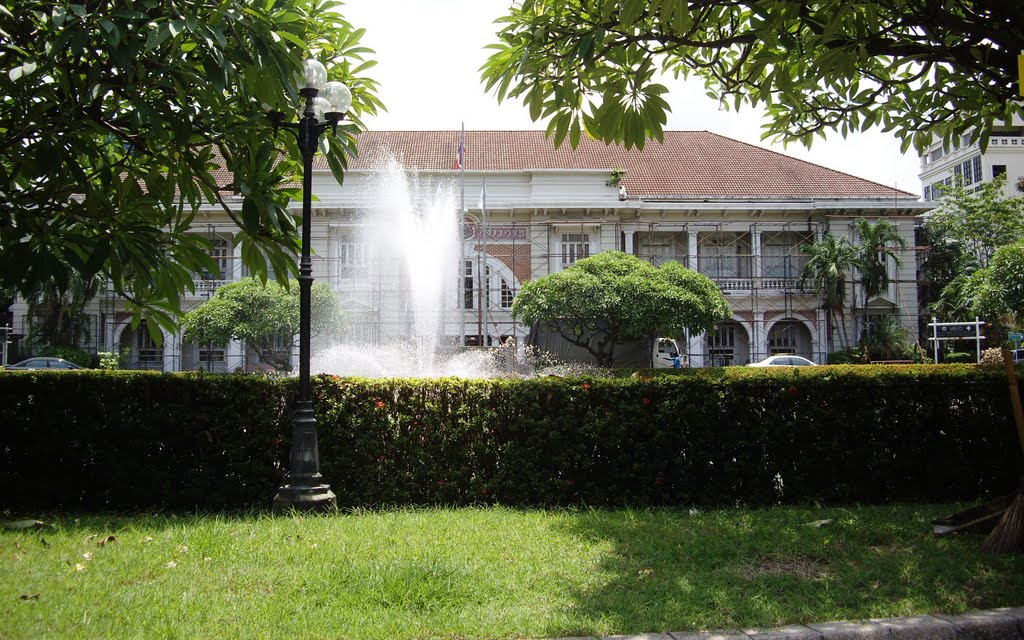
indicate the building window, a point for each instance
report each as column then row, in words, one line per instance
column 575, row 246
column 145, row 347
column 352, row 257
column 210, row 356
column 507, row 295
column 782, row 338
column 998, row 170
column 968, row 171
column 722, row 346
column 220, row 252
column 927, row 193
column 467, row 286
column 977, row 168
column 958, row 174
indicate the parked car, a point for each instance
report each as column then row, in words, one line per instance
column 43, row 363
column 783, row 361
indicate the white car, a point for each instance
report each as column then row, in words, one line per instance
column 783, row 361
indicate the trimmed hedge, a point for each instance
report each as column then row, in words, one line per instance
column 839, row 434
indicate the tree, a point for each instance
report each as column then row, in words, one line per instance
column 877, row 245
column 981, row 221
column 58, row 317
column 614, row 297
column 1008, row 277
column 995, row 293
column 263, row 315
column 916, row 68
column 115, row 119
column 828, row 261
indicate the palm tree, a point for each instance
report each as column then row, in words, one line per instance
column 878, row 243
column 58, row 311
column 826, row 267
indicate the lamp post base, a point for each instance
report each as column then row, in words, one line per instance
column 310, row 498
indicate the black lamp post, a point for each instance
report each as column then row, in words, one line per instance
column 304, row 489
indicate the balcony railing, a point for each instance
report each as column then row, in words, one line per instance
column 206, row 287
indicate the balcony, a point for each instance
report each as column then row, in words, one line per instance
column 205, row 287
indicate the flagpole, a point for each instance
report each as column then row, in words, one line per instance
column 460, row 291
column 486, row 306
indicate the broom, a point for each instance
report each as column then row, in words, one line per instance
column 1008, row 536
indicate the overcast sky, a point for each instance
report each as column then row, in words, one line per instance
column 430, row 52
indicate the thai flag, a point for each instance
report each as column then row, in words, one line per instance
column 458, row 154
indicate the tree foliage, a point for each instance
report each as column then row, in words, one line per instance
column 979, row 221
column 879, row 242
column 263, row 315
column 915, row 68
column 828, row 261
column 58, row 315
column 613, row 297
column 115, row 118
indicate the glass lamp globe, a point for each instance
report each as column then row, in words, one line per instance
column 339, row 96
column 314, row 74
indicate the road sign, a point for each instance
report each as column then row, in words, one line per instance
column 1017, row 337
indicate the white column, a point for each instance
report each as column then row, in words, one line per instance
column 695, row 347
column 171, row 353
column 234, row 356
column 236, row 265
column 691, row 257
column 755, row 248
column 629, row 234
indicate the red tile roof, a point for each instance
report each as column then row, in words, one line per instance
column 688, row 164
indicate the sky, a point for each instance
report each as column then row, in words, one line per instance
column 429, row 54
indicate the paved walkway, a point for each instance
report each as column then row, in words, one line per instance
column 994, row 624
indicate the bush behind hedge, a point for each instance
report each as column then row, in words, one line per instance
column 134, row 440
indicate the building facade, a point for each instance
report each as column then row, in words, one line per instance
column 963, row 162
column 735, row 212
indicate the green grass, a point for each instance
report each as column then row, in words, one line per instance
column 487, row 573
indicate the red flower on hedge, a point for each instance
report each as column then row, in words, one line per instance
column 380, row 404
column 484, row 491
column 276, row 442
column 645, row 400
column 586, row 386
column 793, row 391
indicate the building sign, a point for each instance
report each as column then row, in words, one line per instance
column 956, row 331
column 497, row 233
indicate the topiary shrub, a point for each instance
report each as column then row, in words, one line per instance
column 958, row 357
column 846, row 356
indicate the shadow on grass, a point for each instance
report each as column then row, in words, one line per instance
column 679, row 570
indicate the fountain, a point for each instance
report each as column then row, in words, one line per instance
column 406, row 283
column 401, row 297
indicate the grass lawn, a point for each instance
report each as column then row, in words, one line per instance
column 487, row 573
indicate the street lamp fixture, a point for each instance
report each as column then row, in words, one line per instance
column 326, row 104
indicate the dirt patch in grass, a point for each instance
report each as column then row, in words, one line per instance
column 800, row 567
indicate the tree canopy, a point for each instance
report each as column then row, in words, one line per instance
column 978, row 221
column 613, row 297
column 116, row 118
column 915, row 68
column 263, row 315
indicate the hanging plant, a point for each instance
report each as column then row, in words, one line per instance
column 615, row 178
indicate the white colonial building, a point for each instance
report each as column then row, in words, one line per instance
column 963, row 161
column 735, row 212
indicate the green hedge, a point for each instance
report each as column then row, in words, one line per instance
column 130, row 440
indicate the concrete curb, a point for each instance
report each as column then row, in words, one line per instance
column 994, row 624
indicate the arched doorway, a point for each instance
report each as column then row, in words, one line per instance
column 790, row 336
column 728, row 345
column 142, row 351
